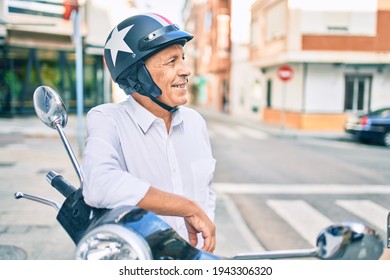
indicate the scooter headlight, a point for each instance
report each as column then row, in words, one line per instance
column 112, row 242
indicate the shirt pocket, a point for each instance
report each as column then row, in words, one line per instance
column 202, row 172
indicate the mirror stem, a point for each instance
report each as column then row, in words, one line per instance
column 282, row 254
column 71, row 154
column 39, row 199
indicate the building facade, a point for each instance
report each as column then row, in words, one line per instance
column 209, row 52
column 339, row 52
column 37, row 47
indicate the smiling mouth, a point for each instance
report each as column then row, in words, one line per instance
column 179, row 86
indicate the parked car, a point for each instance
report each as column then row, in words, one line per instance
column 370, row 127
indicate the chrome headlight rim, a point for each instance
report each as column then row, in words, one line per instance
column 137, row 243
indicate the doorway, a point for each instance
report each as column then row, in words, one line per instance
column 357, row 93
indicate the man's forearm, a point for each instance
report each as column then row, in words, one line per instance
column 168, row 204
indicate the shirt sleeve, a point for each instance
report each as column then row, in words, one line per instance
column 107, row 184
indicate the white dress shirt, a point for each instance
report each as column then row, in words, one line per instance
column 128, row 150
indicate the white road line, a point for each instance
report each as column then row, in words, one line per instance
column 225, row 131
column 302, row 217
column 368, row 210
column 300, row 189
column 240, row 224
column 236, row 132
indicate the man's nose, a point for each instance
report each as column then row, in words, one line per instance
column 184, row 69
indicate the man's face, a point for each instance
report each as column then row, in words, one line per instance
column 170, row 72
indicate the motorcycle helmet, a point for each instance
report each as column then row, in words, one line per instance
column 134, row 40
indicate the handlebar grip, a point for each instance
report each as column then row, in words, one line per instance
column 60, row 184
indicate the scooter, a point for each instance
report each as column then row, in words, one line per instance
column 130, row 232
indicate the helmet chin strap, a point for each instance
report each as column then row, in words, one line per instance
column 136, row 87
column 163, row 105
column 145, row 86
column 148, row 87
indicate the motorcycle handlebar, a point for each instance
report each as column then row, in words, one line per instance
column 60, row 184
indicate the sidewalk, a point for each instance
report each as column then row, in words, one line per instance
column 33, row 127
column 275, row 130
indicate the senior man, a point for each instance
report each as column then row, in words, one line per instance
column 150, row 150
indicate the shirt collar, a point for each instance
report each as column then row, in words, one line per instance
column 145, row 119
column 177, row 120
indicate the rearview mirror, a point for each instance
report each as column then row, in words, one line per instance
column 349, row 241
column 49, row 107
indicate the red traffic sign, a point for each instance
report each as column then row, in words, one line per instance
column 70, row 6
column 285, row 73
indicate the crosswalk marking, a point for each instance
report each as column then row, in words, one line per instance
column 236, row 132
column 225, row 131
column 302, row 217
column 256, row 134
column 299, row 189
column 366, row 209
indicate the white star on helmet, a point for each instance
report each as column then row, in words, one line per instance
column 117, row 43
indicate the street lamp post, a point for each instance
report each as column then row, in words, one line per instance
column 79, row 78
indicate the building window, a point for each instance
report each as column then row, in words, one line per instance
column 225, row 95
column 269, row 93
column 255, row 33
column 348, row 17
column 357, row 93
column 47, row 8
column 25, row 69
column 208, row 20
column 275, row 18
column 223, row 31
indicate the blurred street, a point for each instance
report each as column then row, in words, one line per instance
column 276, row 188
column 289, row 185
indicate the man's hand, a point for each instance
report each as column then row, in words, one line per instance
column 201, row 224
column 196, row 220
column 385, row 255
